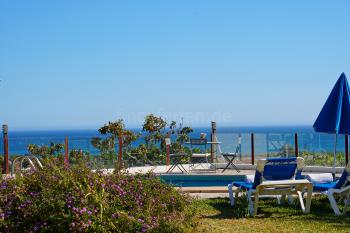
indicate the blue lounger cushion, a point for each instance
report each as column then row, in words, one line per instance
column 243, row 185
column 343, row 181
column 324, row 186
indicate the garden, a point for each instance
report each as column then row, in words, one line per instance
column 73, row 198
column 61, row 198
column 80, row 196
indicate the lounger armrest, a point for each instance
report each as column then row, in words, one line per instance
column 284, row 182
column 277, row 186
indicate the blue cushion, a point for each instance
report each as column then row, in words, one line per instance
column 281, row 160
column 279, row 172
column 243, row 185
column 324, row 186
column 342, row 180
column 274, row 169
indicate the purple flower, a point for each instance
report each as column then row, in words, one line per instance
column 140, row 220
column 145, row 227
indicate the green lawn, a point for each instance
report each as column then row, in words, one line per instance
column 216, row 215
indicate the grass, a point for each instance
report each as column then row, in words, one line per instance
column 216, row 215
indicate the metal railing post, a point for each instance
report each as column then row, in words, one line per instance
column 296, row 145
column 213, row 139
column 167, row 147
column 66, row 150
column 120, row 154
column 6, row 168
column 240, row 146
column 252, row 144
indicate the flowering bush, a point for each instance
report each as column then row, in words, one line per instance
column 75, row 199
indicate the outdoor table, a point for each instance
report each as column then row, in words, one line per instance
column 211, row 163
column 229, row 157
column 177, row 162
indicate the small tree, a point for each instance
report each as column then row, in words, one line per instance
column 78, row 156
column 111, row 132
column 157, row 130
column 155, row 127
column 181, row 136
column 54, row 149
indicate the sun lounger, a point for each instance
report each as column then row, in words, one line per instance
column 340, row 187
column 274, row 176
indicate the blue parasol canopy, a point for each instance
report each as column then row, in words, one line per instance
column 335, row 114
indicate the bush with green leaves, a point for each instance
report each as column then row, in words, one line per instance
column 74, row 199
column 111, row 132
column 44, row 151
column 77, row 156
column 1, row 162
column 156, row 130
column 323, row 158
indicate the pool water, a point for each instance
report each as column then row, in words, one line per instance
column 200, row 180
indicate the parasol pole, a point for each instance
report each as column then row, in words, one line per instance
column 335, row 154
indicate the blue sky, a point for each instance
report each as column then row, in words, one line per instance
column 79, row 64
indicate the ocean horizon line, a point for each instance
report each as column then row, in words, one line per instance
column 236, row 129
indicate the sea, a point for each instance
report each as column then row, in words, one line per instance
column 267, row 139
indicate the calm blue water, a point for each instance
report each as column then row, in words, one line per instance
column 267, row 139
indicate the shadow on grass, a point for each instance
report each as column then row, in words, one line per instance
column 321, row 211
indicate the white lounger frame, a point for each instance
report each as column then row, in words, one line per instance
column 276, row 189
column 344, row 192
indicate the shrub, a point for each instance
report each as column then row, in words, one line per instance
column 111, row 132
column 44, row 151
column 78, row 156
column 323, row 158
column 75, row 199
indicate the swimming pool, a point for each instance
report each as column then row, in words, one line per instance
column 200, row 180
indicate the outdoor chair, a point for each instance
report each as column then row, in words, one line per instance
column 176, row 158
column 340, row 187
column 230, row 158
column 274, row 176
column 199, row 154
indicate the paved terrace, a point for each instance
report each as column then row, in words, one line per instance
column 246, row 169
